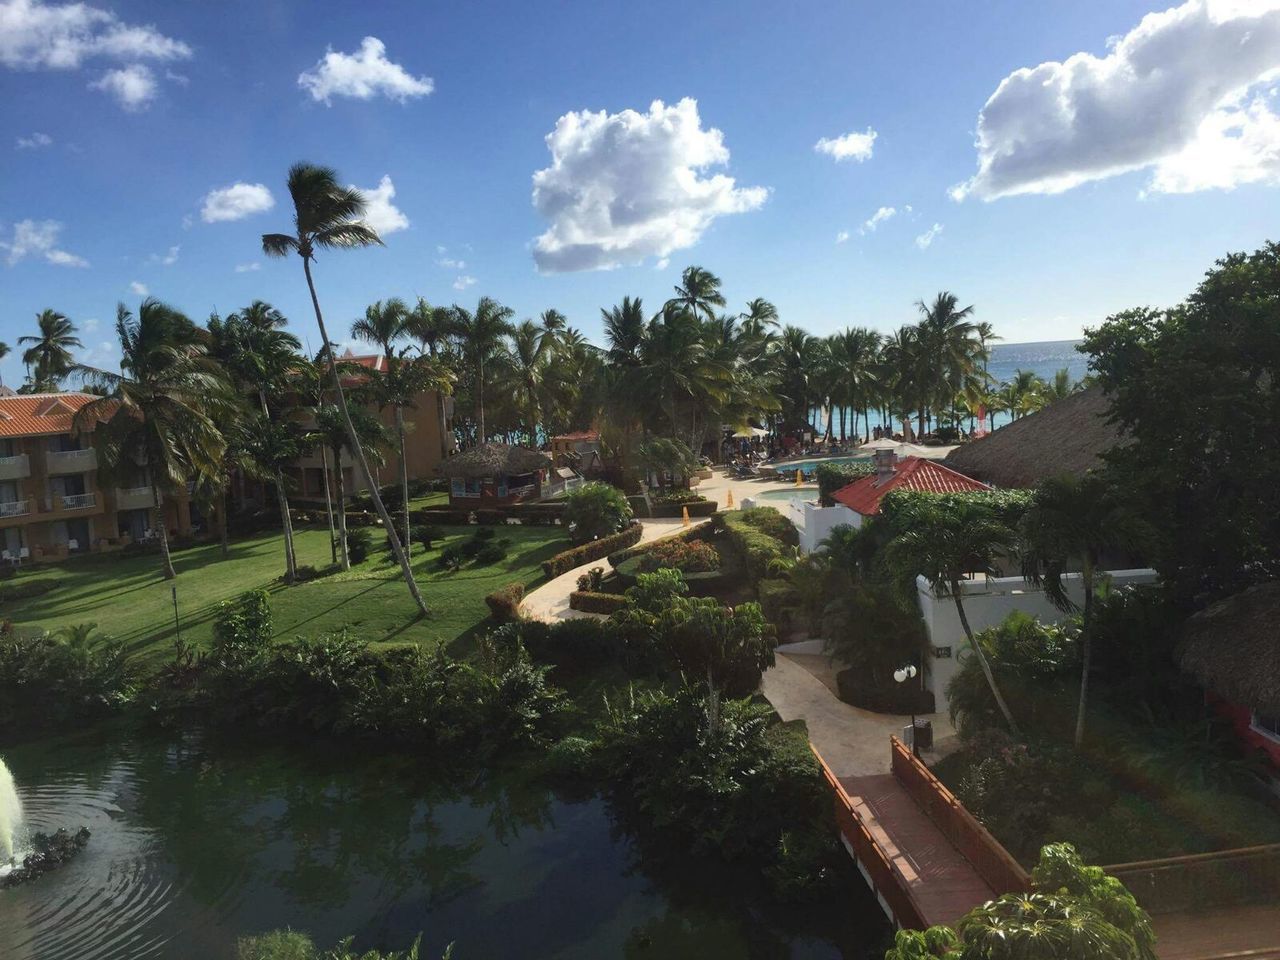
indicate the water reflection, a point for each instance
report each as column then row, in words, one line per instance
column 198, row 841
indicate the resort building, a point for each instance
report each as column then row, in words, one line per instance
column 495, row 475
column 52, row 501
column 579, row 452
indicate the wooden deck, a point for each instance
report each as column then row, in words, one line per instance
column 943, row 884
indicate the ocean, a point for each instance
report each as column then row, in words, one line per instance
column 1045, row 359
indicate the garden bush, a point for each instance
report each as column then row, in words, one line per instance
column 759, row 550
column 769, row 521
column 595, row 550
column 577, row 644
column 504, row 603
column 677, row 497
column 620, row 556
column 590, row 581
column 491, row 517
column 858, row 689
column 698, row 509
column 833, row 476
column 687, row 556
column 490, row 553
column 50, row 680
column 242, row 627
column 588, row 601
column 359, row 543
column 596, row 510
column 27, row 589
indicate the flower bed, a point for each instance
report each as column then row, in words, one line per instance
column 687, row 556
column 592, row 550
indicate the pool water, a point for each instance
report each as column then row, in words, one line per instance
column 798, row 495
column 197, row 842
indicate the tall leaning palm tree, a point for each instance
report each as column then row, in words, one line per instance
column 482, row 334
column 50, row 352
column 945, row 546
column 161, row 412
column 1074, row 520
column 327, row 216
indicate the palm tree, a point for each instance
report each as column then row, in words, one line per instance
column 482, row 336
column 333, row 431
column 327, row 216
column 4, row 352
column 50, row 352
column 698, row 291
column 624, row 327
column 1073, row 520
column 529, row 350
column 432, row 327
column 760, row 313
column 952, row 348
column 1021, row 394
column 161, row 412
column 260, row 357
column 945, row 546
column 554, row 323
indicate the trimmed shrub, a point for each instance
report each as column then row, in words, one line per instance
column 833, row 476
column 639, row 506
column 619, row 556
column 490, row 553
column 860, row 690
column 769, row 521
column 595, row 550
column 596, row 510
column 242, row 626
column 504, row 603
column 485, row 533
column 757, row 548
column 677, row 497
column 359, row 542
column 779, row 600
column 24, row 591
column 490, row 517
column 696, row 556
column 591, row 580
column 604, row 603
column 699, row 508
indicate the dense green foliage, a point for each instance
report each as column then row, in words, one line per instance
column 1196, row 389
column 833, row 476
column 596, row 510
column 688, row 556
column 1075, row 912
column 51, row 679
column 293, row 945
column 242, row 626
column 753, row 536
column 593, row 550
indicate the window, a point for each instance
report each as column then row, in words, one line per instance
column 1269, row 727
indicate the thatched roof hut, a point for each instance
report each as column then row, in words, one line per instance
column 1233, row 648
column 1068, row 436
column 493, row 460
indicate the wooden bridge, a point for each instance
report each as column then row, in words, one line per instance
column 929, row 861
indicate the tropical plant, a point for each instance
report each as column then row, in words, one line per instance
column 328, row 216
column 50, row 351
column 333, row 431
column 946, row 546
column 697, row 292
column 160, row 414
column 595, row 510
column 482, row 335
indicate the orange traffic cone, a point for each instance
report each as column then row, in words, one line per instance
column 729, row 500
column 685, row 514
column 799, row 478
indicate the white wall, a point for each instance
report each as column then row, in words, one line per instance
column 987, row 601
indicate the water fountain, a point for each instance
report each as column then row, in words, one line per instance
column 10, row 816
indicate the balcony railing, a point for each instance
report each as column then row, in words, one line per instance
column 71, row 461
column 15, row 508
column 15, row 468
column 135, row 498
column 80, row 501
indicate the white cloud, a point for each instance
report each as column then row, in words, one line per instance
column 166, row 259
column 925, row 240
column 39, row 238
column 842, row 236
column 463, row 282
column 35, row 35
column 451, row 264
column 662, row 264
column 248, row 267
column 236, row 202
column 879, row 217
column 139, row 288
column 379, row 212
column 625, row 186
column 89, row 325
column 35, row 141
column 362, row 75
column 1180, row 94
column 851, row 146
column 133, row 86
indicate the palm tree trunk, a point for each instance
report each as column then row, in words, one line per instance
column 222, row 525
column 982, row 661
column 342, row 509
column 359, row 452
column 166, row 561
column 404, row 477
column 286, row 521
column 480, row 400
column 1086, row 649
column 328, row 504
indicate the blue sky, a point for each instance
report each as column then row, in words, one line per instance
column 118, row 123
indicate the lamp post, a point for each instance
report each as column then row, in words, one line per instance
column 902, row 675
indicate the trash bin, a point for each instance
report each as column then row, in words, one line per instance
column 924, row 734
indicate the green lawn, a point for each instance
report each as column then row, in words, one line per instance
column 437, row 498
column 127, row 598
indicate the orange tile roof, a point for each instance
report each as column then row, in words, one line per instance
column 376, row 362
column 913, row 473
column 40, row 414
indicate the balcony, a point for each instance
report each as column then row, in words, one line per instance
column 135, row 498
column 71, row 461
column 79, row 501
column 15, row 468
column 14, row 508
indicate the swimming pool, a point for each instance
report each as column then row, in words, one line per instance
column 798, row 494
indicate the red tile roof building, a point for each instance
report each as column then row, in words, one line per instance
column 914, row 473
column 40, row 414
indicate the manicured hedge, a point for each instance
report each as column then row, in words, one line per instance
column 778, row 600
column 605, row 603
column 899, row 698
column 528, row 514
column 833, row 476
column 756, row 547
column 592, row 550
column 700, row 581
column 639, row 505
column 697, row 508
column 504, row 603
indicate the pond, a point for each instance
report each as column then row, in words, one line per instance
column 196, row 842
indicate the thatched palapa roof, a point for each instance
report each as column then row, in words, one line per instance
column 1068, row 436
column 493, row 460
column 1233, row 648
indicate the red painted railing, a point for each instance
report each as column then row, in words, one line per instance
column 990, row 859
column 884, row 879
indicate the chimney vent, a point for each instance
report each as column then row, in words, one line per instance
column 885, row 465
